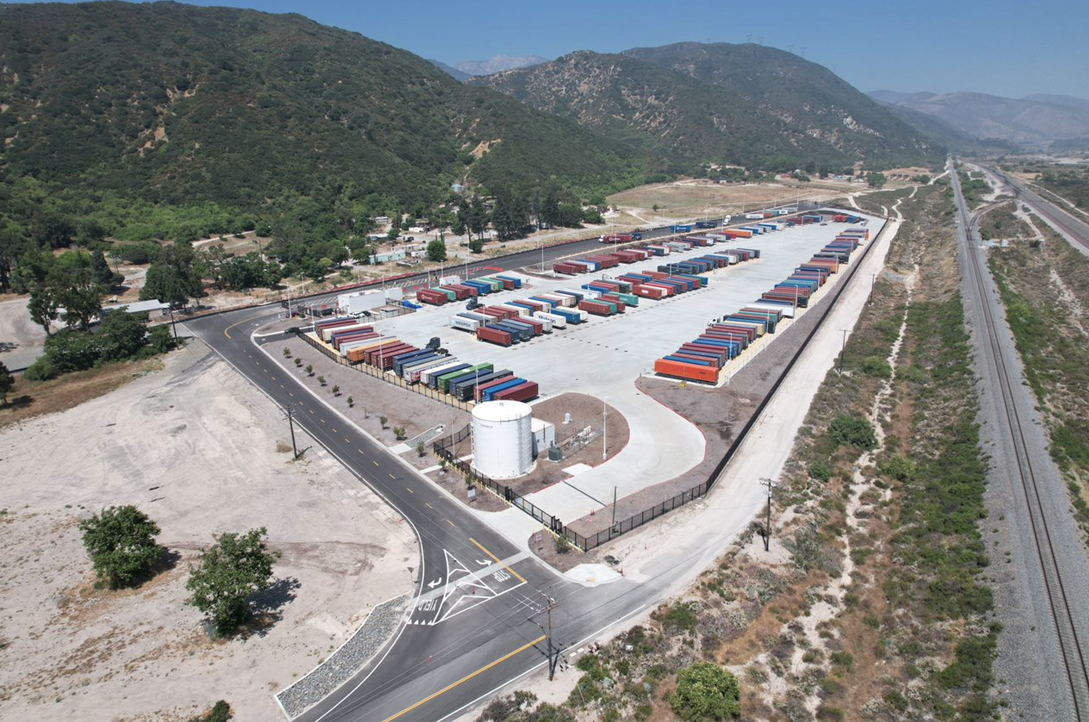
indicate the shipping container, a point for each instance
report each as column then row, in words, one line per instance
column 554, row 319
column 465, row 323
column 573, row 315
column 463, row 389
column 432, row 377
column 686, row 371
column 682, row 229
column 446, row 379
column 479, row 389
column 515, row 280
column 414, row 372
column 488, row 394
column 495, row 335
column 525, row 392
column 400, row 362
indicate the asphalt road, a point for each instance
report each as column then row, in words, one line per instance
column 1043, row 604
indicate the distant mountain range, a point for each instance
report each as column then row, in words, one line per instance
column 745, row 104
column 1035, row 121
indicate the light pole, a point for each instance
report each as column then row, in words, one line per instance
column 604, row 430
column 873, row 282
column 843, row 348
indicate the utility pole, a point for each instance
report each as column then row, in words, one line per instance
column 291, row 425
column 554, row 651
column 769, row 484
column 873, row 282
column 843, row 349
column 614, row 507
column 172, row 326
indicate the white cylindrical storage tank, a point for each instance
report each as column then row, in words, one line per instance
column 502, row 439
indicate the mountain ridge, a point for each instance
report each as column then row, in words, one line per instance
column 717, row 103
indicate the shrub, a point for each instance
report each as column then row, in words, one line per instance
column 706, row 691
column 899, row 468
column 682, row 616
column 820, row 470
column 336, row 390
column 877, row 367
column 853, row 431
column 298, row 362
column 351, row 402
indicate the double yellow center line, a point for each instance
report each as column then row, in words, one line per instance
column 466, row 678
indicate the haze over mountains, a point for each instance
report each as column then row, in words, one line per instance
column 1035, row 121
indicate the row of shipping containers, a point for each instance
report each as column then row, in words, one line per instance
column 439, row 295
column 430, row 367
column 727, row 337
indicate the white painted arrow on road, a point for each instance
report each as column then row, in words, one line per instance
column 437, row 582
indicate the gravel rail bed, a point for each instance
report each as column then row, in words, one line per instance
column 346, row 661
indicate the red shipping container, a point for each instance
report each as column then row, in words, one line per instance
column 493, row 335
column 522, row 392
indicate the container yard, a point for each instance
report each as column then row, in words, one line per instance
column 694, row 308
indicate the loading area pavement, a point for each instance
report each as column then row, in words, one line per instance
column 605, row 356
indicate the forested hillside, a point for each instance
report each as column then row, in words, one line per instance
column 166, row 120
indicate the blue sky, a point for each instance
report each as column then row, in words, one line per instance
column 1000, row 47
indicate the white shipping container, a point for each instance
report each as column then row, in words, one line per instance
column 788, row 311
column 544, row 320
column 465, row 324
column 556, row 320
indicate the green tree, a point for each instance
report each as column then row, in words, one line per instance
column 7, row 383
column 121, row 336
column 853, row 431
column 436, row 251
column 77, row 291
column 230, row 572
column 394, row 231
column 43, row 307
column 173, row 278
column 478, row 217
column 121, row 544
column 706, row 693
column 876, row 180
column 101, row 271
column 476, row 245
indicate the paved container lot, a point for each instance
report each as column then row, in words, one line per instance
column 605, row 356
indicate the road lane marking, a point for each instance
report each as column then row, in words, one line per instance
column 428, row 505
column 291, row 394
column 361, row 452
column 391, row 476
column 322, row 420
column 410, row 491
column 281, row 386
column 450, row 522
column 496, row 560
column 376, row 463
column 467, row 677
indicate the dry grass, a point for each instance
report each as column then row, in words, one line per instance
column 34, row 398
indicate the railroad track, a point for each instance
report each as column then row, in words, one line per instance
column 1070, row 646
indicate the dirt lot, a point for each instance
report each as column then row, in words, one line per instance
column 199, row 450
column 371, row 397
column 693, row 199
column 21, row 340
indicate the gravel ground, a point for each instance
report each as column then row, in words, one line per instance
column 372, row 398
column 346, row 661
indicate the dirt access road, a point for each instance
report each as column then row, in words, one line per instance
column 195, row 448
